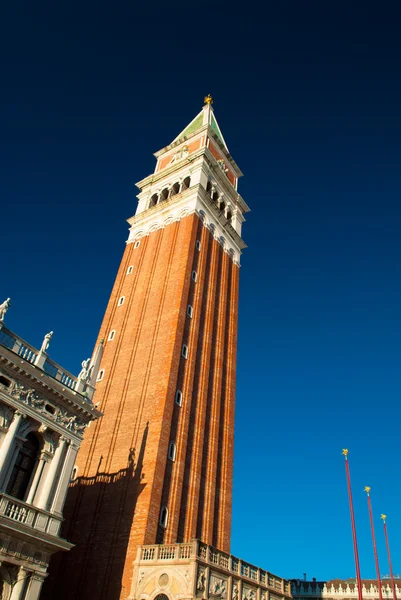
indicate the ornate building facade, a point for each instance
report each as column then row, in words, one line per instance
column 43, row 413
column 343, row 589
column 155, row 473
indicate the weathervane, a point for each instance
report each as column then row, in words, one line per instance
column 208, row 99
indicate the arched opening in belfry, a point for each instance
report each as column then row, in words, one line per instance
column 186, row 183
column 24, row 467
column 175, row 189
column 229, row 215
column 222, row 204
column 153, row 200
column 162, row 597
column 209, row 187
column 215, row 196
column 163, row 195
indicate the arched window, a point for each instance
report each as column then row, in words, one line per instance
column 186, row 183
column 229, row 215
column 178, row 397
column 153, row 200
column 175, row 189
column 164, row 195
column 111, row 335
column 24, row 467
column 209, row 187
column 162, row 597
column 164, row 516
column 129, row 270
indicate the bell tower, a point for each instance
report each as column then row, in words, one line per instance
column 157, row 468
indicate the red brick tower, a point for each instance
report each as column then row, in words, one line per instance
column 157, row 468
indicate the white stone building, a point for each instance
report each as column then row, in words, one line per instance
column 343, row 589
column 197, row 571
column 43, row 413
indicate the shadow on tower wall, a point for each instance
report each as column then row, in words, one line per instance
column 98, row 508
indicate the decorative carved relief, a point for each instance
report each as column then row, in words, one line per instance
column 180, row 155
column 200, row 584
column 248, row 594
column 23, row 551
column 217, row 586
column 6, row 415
column 62, row 417
column 235, row 592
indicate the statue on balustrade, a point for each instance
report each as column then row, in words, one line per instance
column 85, row 371
column 46, row 341
column 4, row 308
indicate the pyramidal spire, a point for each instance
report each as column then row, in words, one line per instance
column 204, row 117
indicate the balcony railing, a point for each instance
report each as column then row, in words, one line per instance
column 214, row 557
column 28, row 515
column 30, row 354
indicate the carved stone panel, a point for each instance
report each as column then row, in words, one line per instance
column 217, row 587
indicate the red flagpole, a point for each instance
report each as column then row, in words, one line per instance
column 389, row 558
column 372, row 527
column 351, row 507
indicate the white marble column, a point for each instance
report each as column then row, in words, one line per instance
column 55, row 465
column 20, row 585
column 36, row 479
column 35, row 586
column 65, row 478
column 7, row 446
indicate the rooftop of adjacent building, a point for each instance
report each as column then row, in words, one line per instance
column 302, row 587
column 81, row 387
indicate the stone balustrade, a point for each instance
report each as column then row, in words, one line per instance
column 173, row 553
column 343, row 589
column 30, row 354
column 29, row 516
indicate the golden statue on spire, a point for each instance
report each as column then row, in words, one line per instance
column 208, row 99
column 383, row 517
column 367, row 489
column 344, row 452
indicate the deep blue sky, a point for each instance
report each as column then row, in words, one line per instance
column 308, row 97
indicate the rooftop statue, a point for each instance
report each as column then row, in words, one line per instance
column 46, row 341
column 4, row 308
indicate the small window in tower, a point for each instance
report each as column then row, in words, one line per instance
column 198, row 245
column 121, row 301
column 194, row 276
column 137, row 244
column 164, row 517
column 129, row 270
column 184, row 351
column 171, row 451
column 100, row 375
column 190, row 311
column 111, row 335
column 178, row 397
column 74, row 473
